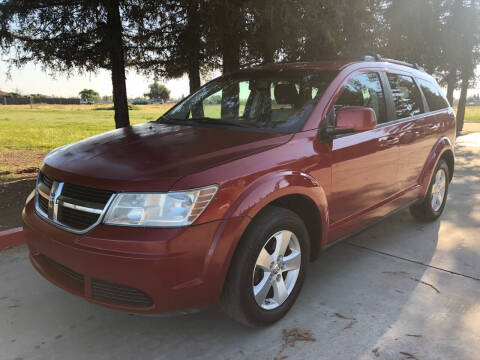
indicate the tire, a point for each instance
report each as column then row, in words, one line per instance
column 247, row 270
column 427, row 210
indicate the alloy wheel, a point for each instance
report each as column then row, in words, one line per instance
column 438, row 189
column 276, row 270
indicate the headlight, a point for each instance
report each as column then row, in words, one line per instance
column 171, row 209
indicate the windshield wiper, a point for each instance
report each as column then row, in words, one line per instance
column 203, row 120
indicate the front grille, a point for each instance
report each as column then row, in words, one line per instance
column 119, row 294
column 78, row 209
column 76, row 219
column 43, row 204
column 83, row 193
column 65, row 270
column 46, row 180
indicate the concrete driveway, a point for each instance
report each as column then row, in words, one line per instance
column 400, row 290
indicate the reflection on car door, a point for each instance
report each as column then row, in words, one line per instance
column 416, row 129
column 364, row 165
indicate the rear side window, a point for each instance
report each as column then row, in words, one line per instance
column 406, row 96
column 364, row 90
column 434, row 96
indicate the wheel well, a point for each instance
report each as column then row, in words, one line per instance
column 448, row 157
column 308, row 211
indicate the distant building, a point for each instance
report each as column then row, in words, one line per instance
column 3, row 97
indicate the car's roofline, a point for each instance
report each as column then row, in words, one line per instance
column 339, row 65
column 336, row 65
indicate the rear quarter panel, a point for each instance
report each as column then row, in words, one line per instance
column 444, row 141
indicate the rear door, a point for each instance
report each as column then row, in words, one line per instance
column 414, row 125
column 364, row 165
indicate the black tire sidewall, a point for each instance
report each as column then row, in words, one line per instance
column 256, row 236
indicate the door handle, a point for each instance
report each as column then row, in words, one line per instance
column 390, row 140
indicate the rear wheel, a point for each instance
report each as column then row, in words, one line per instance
column 268, row 268
column 433, row 204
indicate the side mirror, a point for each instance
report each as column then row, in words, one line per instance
column 353, row 119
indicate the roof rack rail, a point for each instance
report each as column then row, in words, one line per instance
column 378, row 57
column 372, row 58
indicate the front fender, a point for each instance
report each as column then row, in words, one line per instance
column 269, row 188
column 249, row 203
column 443, row 145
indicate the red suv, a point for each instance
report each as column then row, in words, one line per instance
column 233, row 191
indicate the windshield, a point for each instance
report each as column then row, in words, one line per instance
column 279, row 101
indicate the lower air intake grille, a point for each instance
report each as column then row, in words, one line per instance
column 63, row 269
column 120, row 294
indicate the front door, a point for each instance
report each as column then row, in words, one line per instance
column 364, row 165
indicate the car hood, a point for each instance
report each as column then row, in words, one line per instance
column 152, row 156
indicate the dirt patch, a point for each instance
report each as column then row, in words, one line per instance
column 19, row 164
column 291, row 337
column 13, row 194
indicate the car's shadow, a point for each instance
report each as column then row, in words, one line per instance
column 373, row 290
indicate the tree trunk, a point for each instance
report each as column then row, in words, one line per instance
column 268, row 54
column 230, row 95
column 462, row 102
column 231, row 36
column 451, row 83
column 468, row 66
column 194, row 79
column 267, row 30
column 194, row 76
column 231, row 53
column 195, row 41
column 117, row 63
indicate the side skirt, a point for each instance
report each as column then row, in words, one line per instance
column 373, row 223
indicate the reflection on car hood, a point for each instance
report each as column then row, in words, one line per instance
column 153, row 156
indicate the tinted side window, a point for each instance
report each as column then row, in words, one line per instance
column 406, row 96
column 435, row 99
column 365, row 90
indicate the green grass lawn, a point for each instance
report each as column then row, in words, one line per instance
column 472, row 114
column 26, row 134
column 48, row 126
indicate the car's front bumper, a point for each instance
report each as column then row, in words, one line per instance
column 136, row 269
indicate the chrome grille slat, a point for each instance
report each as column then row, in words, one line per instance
column 81, row 208
column 71, row 207
column 43, row 190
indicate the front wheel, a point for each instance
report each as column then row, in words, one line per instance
column 268, row 268
column 434, row 202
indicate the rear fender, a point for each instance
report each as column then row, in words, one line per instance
column 443, row 145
